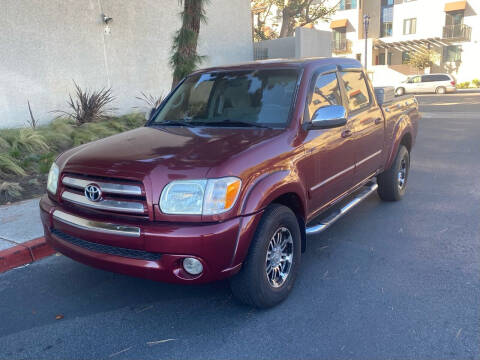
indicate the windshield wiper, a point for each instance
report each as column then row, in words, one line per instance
column 233, row 123
column 174, row 123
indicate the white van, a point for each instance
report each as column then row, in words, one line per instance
column 430, row 83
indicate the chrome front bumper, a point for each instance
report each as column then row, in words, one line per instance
column 97, row 226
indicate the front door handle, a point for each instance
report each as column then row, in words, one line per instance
column 346, row 133
column 378, row 121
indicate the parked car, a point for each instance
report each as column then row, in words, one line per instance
column 231, row 173
column 431, row 83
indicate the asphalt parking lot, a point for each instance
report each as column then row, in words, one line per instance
column 390, row 280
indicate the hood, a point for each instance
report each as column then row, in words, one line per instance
column 169, row 150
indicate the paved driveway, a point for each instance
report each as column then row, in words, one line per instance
column 391, row 280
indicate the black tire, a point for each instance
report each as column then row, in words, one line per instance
column 251, row 285
column 400, row 91
column 441, row 90
column 391, row 186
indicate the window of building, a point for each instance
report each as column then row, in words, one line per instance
column 348, row 4
column 409, row 26
column 326, row 92
column 405, row 57
column 454, row 18
column 452, row 53
column 357, row 90
column 339, row 38
column 386, row 19
column 381, row 59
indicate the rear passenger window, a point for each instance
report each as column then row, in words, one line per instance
column 326, row 92
column 357, row 90
column 431, row 78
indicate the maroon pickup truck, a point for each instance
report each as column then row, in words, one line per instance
column 231, row 174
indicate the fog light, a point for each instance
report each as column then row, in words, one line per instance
column 192, row 266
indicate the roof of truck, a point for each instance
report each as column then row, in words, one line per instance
column 276, row 63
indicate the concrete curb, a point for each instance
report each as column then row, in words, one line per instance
column 24, row 253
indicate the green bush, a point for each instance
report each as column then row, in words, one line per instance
column 476, row 82
column 10, row 191
column 464, row 85
column 26, row 154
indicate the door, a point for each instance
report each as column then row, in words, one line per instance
column 329, row 151
column 367, row 123
column 415, row 85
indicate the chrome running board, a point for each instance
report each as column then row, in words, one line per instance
column 325, row 223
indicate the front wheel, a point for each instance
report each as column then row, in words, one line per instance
column 269, row 271
column 400, row 91
column 392, row 184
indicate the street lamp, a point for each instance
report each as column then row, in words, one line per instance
column 366, row 23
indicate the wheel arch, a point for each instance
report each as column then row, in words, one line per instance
column 278, row 187
column 403, row 135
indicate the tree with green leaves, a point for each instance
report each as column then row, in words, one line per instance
column 185, row 58
column 297, row 13
column 423, row 59
column 291, row 14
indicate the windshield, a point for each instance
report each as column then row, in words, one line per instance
column 257, row 98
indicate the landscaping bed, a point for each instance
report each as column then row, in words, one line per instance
column 26, row 154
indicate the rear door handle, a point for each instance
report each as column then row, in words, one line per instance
column 346, row 133
column 378, row 121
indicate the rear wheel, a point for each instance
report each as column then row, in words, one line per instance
column 269, row 271
column 441, row 90
column 392, row 184
column 400, row 91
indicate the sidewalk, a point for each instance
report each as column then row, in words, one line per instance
column 21, row 235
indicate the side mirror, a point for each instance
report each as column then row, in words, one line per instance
column 329, row 117
column 149, row 113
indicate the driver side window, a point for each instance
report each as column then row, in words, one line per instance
column 326, row 92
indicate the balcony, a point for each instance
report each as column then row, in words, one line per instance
column 460, row 32
column 342, row 46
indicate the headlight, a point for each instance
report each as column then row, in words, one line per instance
column 52, row 181
column 200, row 197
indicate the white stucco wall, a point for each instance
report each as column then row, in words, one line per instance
column 44, row 45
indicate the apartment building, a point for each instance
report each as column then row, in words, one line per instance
column 398, row 28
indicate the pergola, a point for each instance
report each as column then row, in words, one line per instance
column 421, row 45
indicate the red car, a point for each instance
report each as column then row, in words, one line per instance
column 230, row 175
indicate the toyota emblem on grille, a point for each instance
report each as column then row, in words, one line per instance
column 93, row 192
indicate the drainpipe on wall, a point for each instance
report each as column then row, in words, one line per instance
column 105, row 57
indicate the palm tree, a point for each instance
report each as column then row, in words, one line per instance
column 185, row 58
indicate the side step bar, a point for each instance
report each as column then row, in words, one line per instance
column 329, row 220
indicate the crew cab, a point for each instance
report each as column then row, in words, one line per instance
column 230, row 175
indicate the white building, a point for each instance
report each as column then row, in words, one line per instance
column 400, row 27
column 44, row 45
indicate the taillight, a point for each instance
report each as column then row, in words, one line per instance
column 453, row 82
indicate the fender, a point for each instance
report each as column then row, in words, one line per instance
column 402, row 127
column 259, row 195
column 271, row 186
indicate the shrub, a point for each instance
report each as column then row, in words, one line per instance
column 476, row 82
column 27, row 154
column 10, row 191
column 8, row 166
column 86, row 106
column 464, row 85
column 150, row 100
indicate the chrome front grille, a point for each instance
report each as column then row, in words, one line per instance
column 116, row 195
column 110, row 188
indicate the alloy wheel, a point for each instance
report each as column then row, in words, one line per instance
column 279, row 259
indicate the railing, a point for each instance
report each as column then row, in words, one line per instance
column 460, row 32
column 342, row 46
column 259, row 52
